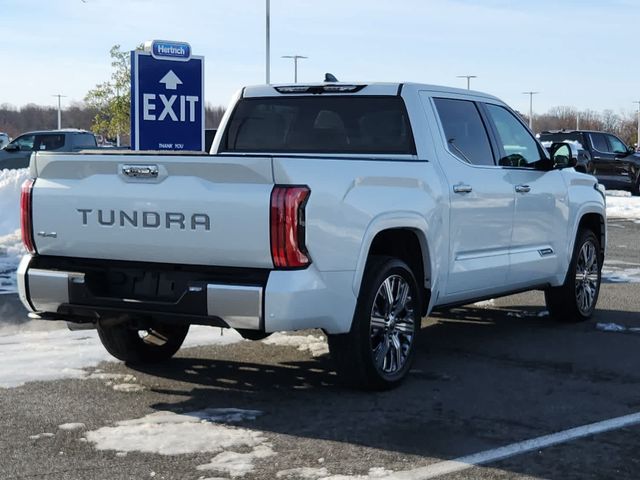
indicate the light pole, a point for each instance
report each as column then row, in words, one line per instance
column 268, row 42
column 638, row 140
column 531, row 94
column 468, row 77
column 295, row 65
column 59, row 110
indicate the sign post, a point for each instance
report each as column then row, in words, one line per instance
column 167, row 97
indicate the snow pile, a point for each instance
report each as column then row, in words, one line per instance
column 622, row 205
column 10, row 244
column 205, row 431
column 10, row 183
column 314, row 344
column 51, row 355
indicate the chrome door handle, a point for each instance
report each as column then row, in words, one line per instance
column 523, row 188
column 462, row 188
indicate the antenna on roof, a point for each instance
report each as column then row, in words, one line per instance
column 329, row 77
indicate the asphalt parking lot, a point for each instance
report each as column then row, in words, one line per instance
column 486, row 376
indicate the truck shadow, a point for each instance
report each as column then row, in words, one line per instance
column 483, row 378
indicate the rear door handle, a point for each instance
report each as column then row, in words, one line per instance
column 523, row 188
column 462, row 188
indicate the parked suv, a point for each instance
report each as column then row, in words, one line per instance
column 616, row 165
column 17, row 153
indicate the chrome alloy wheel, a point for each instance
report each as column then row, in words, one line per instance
column 393, row 325
column 587, row 277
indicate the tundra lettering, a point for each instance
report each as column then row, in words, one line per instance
column 168, row 220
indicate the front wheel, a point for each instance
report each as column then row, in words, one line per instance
column 139, row 346
column 378, row 351
column 635, row 190
column 575, row 300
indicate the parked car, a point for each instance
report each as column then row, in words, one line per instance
column 352, row 208
column 4, row 140
column 616, row 165
column 17, row 153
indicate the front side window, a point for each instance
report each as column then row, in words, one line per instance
column 49, row 142
column 519, row 147
column 464, row 131
column 616, row 144
column 25, row 142
column 320, row 124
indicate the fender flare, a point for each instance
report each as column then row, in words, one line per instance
column 586, row 209
column 396, row 220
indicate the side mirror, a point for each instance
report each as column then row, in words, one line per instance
column 562, row 155
column 631, row 150
column 12, row 147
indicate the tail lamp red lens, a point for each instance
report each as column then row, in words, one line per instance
column 26, row 219
column 288, row 226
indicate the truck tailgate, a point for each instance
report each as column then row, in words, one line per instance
column 199, row 210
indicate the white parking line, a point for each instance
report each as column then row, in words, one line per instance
column 489, row 456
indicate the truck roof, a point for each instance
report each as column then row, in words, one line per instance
column 62, row 130
column 359, row 88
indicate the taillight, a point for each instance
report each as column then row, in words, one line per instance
column 26, row 219
column 288, row 227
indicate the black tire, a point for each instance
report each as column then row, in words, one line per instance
column 354, row 353
column 570, row 302
column 125, row 342
column 635, row 190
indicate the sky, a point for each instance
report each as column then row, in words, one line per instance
column 579, row 53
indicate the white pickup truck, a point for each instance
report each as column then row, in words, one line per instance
column 352, row 208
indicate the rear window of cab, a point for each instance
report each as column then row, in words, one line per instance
column 320, row 124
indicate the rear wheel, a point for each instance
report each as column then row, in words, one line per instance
column 130, row 344
column 576, row 299
column 378, row 351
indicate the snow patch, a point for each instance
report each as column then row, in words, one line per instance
column 237, row 464
column 304, row 473
column 485, row 303
column 204, row 431
column 620, row 275
column 310, row 473
column 72, row 426
column 52, row 355
column 169, row 433
column 128, row 387
column 314, row 344
column 41, row 435
column 523, row 314
column 615, row 327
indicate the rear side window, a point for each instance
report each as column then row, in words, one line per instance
column 599, row 142
column 320, row 124
column 49, row 142
column 84, row 140
column 465, row 132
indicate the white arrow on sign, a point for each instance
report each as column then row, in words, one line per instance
column 171, row 81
